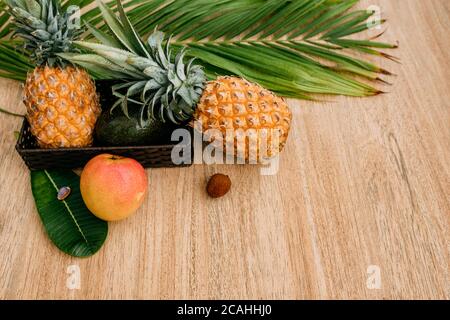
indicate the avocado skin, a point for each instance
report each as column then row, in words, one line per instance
column 116, row 129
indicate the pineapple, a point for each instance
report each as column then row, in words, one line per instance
column 235, row 113
column 61, row 99
column 246, row 109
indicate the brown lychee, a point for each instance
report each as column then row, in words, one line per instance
column 218, row 185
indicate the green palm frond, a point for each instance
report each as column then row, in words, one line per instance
column 13, row 63
column 296, row 48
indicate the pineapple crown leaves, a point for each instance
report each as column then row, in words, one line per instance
column 163, row 87
column 45, row 30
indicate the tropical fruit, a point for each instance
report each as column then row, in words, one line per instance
column 61, row 99
column 116, row 129
column 113, row 187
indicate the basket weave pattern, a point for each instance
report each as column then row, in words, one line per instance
column 154, row 156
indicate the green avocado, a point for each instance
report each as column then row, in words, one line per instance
column 116, row 129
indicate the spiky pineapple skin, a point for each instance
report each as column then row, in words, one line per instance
column 236, row 105
column 62, row 106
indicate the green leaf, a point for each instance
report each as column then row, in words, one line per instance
column 69, row 224
column 103, row 37
column 241, row 37
column 116, row 26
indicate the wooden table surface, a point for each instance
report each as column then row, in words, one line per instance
column 362, row 182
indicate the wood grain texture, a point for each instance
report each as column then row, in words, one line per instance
column 362, row 182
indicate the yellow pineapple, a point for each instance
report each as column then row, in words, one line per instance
column 61, row 100
column 232, row 104
column 62, row 106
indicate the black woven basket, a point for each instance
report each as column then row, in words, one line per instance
column 151, row 156
column 155, row 156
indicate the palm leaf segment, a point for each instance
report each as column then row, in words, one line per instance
column 149, row 78
column 293, row 47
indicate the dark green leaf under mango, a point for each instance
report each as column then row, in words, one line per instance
column 68, row 223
